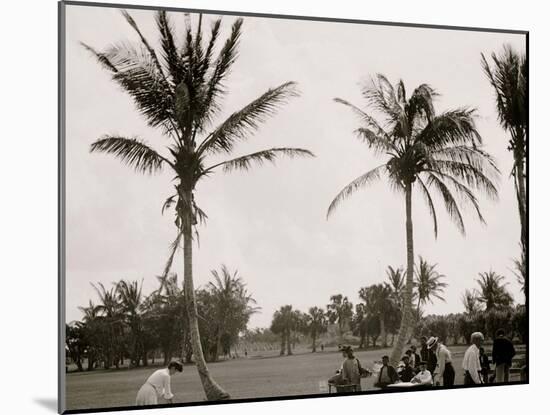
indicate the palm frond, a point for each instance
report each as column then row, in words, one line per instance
column 370, row 122
column 355, row 185
column 248, row 119
column 132, row 152
column 102, row 58
column 270, row 155
column 174, row 62
column 428, row 198
column 449, row 201
column 451, row 127
column 173, row 250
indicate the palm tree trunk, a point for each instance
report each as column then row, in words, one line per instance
column 383, row 333
column 288, row 343
column 313, row 346
column 212, row 390
column 283, row 340
column 522, row 198
column 407, row 318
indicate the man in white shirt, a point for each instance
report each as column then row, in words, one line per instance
column 423, row 377
column 471, row 363
column 444, row 372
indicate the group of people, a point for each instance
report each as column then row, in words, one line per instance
column 433, row 364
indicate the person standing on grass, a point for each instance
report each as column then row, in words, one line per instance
column 414, row 358
column 351, row 368
column 158, row 384
column 444, row 372
column 485, row 365
column 471, row 363
column 427, row 355
column 503, row 352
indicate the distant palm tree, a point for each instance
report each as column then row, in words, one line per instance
column 232, row 303
column 425, row 151
column 428, row 283
column 380, row 302
column 520, row 271
column 179, row 91
column 493, row 292
column 284, row 323
column 111, row 313
column 471, row 302
column 316, row 324
column 396, row 280
column 508, row 76
column 340, row 311
column 130, row 298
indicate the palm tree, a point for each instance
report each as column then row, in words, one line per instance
column 396, row 280
column 493, row 292
column 340, row 310
column 471, row 302
column 428, row 283
column 130, row 298
column 520, row 271
column 233, row 306
column 316, row 324
column 380, row 302
column 179, row 91
column 425, row 152
column 508, row 77
column 110, row 312
column 283, row 323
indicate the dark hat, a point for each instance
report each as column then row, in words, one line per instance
column 176, row 365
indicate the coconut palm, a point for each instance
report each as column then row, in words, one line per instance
column 283, row 323
column 110, row 313
column 471, row 302
column 493, row 292
column 429, row 284
column 178, row 91
column 520, row 271
column 316, row 324
column 427, row 152
column 508, row 76
column 340, row 311
column 380, row 302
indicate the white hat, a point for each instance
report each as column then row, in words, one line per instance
column 431, row 342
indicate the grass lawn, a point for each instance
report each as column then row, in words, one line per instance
column 252, row 377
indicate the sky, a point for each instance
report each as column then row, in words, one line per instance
column 270, row 223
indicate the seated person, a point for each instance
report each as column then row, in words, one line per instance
column 387, row 374
column 423, row 377
column 407, row 372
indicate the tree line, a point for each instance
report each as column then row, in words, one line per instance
column 378, row 314
column 126, row 324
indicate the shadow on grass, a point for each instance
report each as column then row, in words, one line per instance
column 48, row 403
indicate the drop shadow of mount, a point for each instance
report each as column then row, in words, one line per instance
column 48, row 403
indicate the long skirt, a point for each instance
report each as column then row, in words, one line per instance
column 147, row 395
column 449, row 375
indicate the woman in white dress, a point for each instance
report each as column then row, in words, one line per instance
column 158, row 384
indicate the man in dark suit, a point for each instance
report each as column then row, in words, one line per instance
column 503, row 352
column 407, row 373
column 387, row 375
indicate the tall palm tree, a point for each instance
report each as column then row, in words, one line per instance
column 283, row 323
column 429, row 284
column 316, row 324
column 493, row 292
column 426, row 152
column 508, row 75
column 179, row 91
column 340, row 311
column 471, row 302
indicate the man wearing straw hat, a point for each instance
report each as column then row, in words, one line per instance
column 444, row 371
column 471, row 363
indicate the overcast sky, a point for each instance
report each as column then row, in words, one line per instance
column 270, row 223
